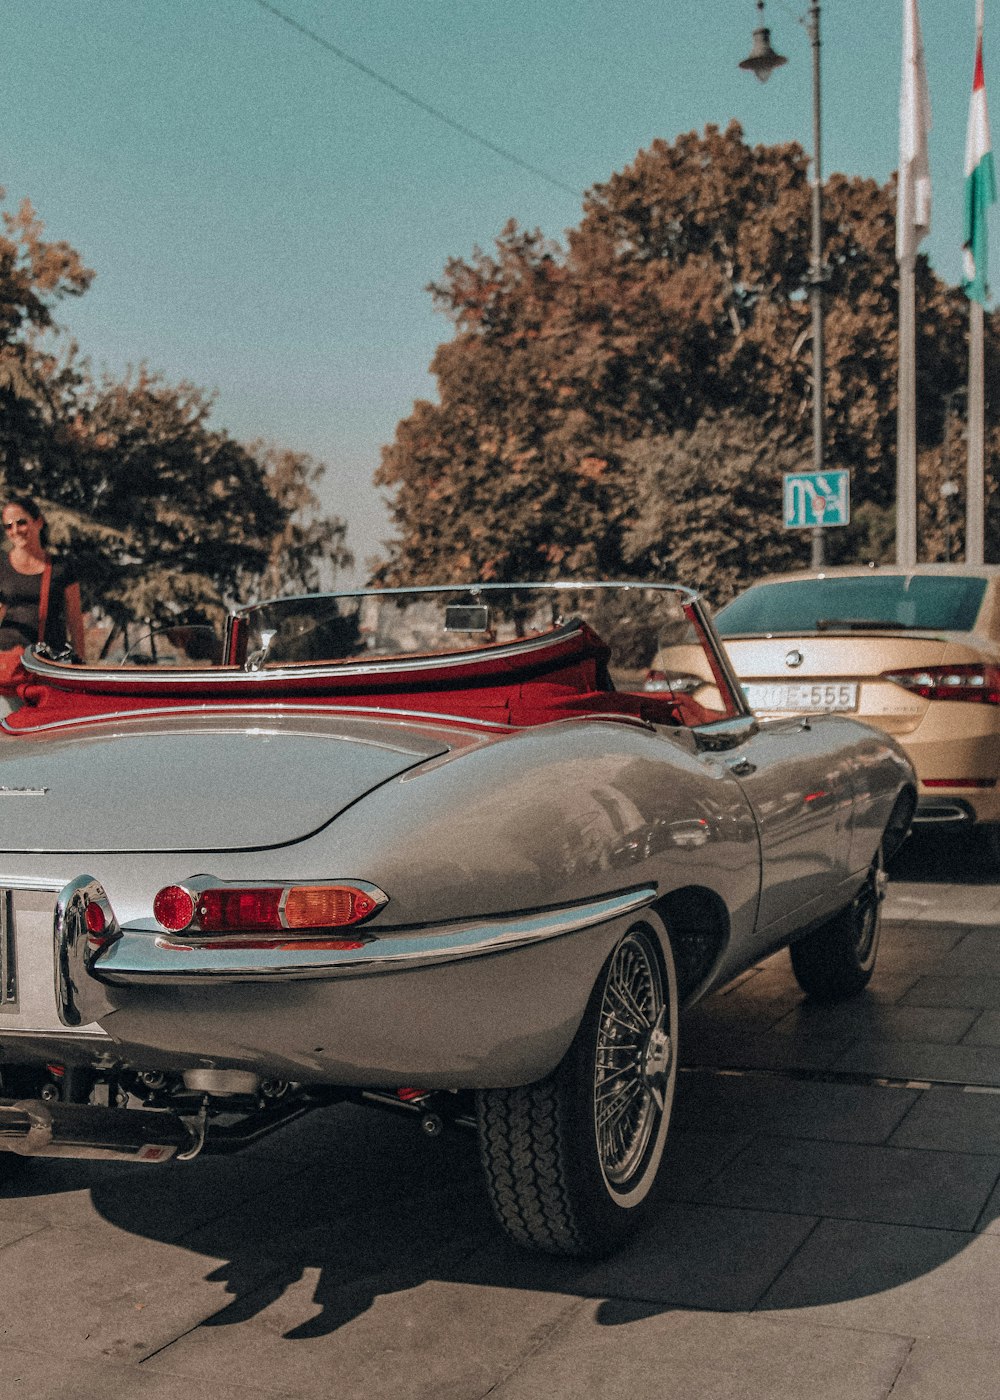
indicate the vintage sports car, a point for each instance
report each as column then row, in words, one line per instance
column 434, row 849
column 914, row 652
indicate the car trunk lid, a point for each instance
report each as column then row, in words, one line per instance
column 219, row 783
column 840, row 670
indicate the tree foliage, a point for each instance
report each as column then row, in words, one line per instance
column 163, row 513
column 627, row 404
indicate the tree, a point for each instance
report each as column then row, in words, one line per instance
column 35, row 378
column 163, row 513
column 723, row 478
column 310, row 548
column 676, row 318
column 170, row 516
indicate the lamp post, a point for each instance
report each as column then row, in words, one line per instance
column 949, row 489
column 762, row 61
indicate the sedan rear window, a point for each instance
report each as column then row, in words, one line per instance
column 867, row 603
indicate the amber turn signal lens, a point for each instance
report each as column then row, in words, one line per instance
column 326, row 906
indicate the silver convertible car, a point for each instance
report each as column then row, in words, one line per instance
column 435, row 849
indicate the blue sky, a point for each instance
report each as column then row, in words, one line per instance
column 263, row 218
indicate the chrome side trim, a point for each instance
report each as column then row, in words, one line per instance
column 239, row 706
column 140, row 956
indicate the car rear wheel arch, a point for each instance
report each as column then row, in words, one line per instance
column 698, row 927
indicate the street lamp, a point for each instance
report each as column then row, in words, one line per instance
column 762, row 61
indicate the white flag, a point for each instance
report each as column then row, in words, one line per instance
column 913, row 191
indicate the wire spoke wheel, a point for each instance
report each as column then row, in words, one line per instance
column 632, row 1057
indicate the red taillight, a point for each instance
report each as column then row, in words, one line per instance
column 975, row 681
column 96, row 920
column 252, row 910
column 173, row 908
column 237, row 910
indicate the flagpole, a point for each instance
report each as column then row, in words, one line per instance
column 975, row 464
column 913, row 218
column 980, row 193
column 906, row 414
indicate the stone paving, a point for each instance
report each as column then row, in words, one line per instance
column 830, row 1226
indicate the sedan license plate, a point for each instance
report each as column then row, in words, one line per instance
column 806, row 696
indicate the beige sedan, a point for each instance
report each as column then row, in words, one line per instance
column 914, row 652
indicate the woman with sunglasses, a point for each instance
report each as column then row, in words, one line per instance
column 30, row 581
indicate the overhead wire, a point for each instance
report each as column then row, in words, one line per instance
column 415, row 101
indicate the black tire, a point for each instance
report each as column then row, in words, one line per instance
column 838, row 960
column 562, row 1177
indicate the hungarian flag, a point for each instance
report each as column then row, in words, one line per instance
column 980, row 181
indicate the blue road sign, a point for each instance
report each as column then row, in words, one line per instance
column 817, row 498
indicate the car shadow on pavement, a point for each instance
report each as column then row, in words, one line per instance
column 323, row 1223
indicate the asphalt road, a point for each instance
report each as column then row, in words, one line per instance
column 830, row 1227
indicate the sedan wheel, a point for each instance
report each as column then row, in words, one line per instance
column 571, row 1162
column 838, row 959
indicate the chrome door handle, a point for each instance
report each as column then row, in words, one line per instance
column 741, row 767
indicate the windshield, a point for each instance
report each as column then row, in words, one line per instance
column 941, row 603
column 648, row 632
column 635, row 622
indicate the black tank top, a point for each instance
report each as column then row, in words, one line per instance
column 21, row 595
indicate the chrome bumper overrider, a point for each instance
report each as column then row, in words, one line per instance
column 142, row 956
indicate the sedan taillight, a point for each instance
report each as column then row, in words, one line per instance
column 974, row 681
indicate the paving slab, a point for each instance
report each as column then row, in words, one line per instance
column 39, row 1376
column 978, row 993
column 939, row 1370
column 951, row 1120
column 702, row 1257
column 985, row 1030
column 956, row 1064
column 976, row 955
column 616, row 1349
column 864, row 1017
column 165, row 1201
column 442, row 1339
column 728, row 1047
column 70, row 1293
column 751, row 1104
column 885, row 1278
column 989, row 1221
column 692, row 1158
column 858, row 1182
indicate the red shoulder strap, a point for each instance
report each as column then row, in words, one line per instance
column 43, row 601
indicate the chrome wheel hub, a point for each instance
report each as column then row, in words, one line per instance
column 633, row 1060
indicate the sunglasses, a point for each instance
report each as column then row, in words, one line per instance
column 13, row 524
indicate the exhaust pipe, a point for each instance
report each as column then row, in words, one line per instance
column 38, row 1128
